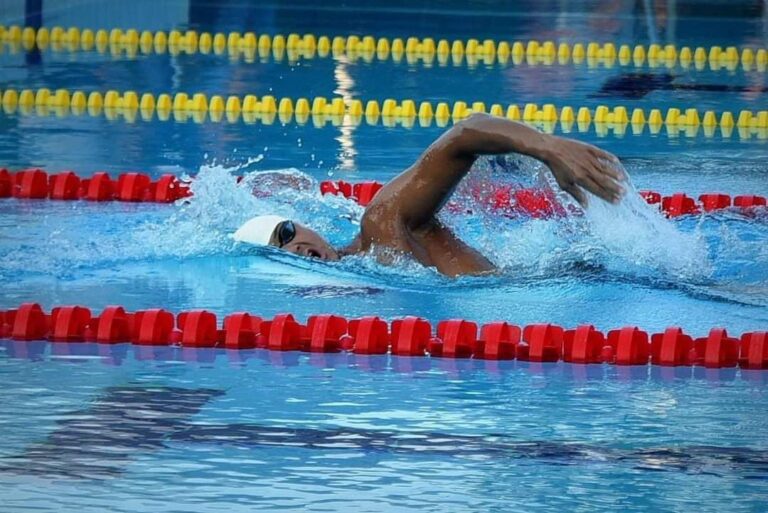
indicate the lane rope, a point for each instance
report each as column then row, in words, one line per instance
column 415, row 50
column 499, row 198
column 182, row 106
column 408, row 336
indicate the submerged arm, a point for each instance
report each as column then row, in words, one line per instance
column 420, row 191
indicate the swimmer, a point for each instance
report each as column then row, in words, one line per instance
column 403, row 215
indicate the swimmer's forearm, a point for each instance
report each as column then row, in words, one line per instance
column 418, row 193
column 482, row 134
column 575, row 165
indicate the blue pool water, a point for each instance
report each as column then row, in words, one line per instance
column 88, row 427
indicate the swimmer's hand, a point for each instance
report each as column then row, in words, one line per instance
column 579, row 166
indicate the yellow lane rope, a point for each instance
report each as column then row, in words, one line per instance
column 320, row 110
column 414, row 50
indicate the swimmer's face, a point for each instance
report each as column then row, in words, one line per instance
column 300, row 240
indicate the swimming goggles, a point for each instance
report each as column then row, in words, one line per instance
column 286, row 232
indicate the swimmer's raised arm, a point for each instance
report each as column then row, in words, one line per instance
column 419, row 192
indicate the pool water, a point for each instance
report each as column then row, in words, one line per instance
column 129, row 428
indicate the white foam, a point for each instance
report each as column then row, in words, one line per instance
column 639, row 236
column 219, row 205
column 630, row 238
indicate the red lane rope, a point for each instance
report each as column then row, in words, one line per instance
column 504, row 199
column 409, row 336
column 135, row 187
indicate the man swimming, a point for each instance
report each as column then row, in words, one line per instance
column 403, row 215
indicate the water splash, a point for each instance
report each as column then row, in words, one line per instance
column 640, row 238
column 628, row 238
column 220, row 204
column 629, row 242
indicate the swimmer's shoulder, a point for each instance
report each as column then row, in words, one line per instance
column 382, row 216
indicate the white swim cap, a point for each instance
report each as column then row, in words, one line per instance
column 258, row 230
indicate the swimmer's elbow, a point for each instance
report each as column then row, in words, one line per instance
column 482, row 134
column 469, row 128
column 467, row 138
column 477, row 120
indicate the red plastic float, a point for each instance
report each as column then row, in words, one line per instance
column 133, row 187
column 498, row 341
column 168, row 189
column 325, row 332
column 368, row 336
column 754, row 350
column 717, row 350
column 583, row 345
column 69, row 323
column 31, row 184
column 364, row 192
column 5, row 323
column 240, row 330
column 6, row 183
column 456, row 338
column 283, row 333
column 152, row 327
column 64, row 186
column 651, row 197
column 711, row 202
column 541, row 343
column 345, row 188
column 678, row 205
column 198, row 328
column 100, row 188
column 326, row 187
column 29, row 323
column 672, row 348
column 749, row 201
column 536, row 203
column 629, row 346
column 410, row 336
column 113, row 326
column 336, row 188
